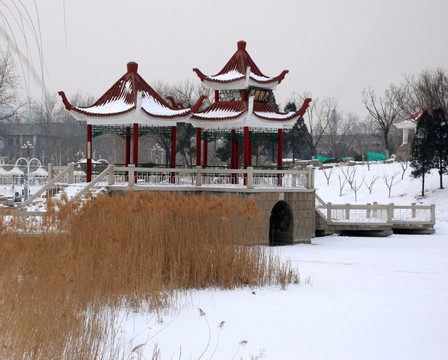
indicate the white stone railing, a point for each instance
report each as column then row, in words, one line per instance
column 59, row 177
column 249, row 178
column 376, row 213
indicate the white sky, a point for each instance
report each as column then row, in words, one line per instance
column 331, row 48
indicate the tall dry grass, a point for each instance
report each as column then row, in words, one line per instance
column 61, row 290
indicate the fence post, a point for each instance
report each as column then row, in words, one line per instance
column 250, row 177
column 413, row 211
column 390, row 212
column 375, row 209
column 368, row 211
column 310, row 182
column 70, row 175
column 50, row 172
column 433, row 213
column 111, row 175
column 347, row 211
column 198, row 176
column 131, row 179
column 294, row 179
column 329, row 211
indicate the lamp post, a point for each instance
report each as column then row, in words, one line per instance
column 27, row 146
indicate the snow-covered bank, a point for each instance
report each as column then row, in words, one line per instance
column 360, row 298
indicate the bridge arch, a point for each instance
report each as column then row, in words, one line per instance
column 281, row 224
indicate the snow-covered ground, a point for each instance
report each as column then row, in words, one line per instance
column 360, row 298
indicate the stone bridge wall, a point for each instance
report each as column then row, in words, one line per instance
column 301, row 204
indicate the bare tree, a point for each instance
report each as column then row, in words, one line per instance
column 391, row 180
column 355, row 187
column 328, row 174
column 9, row 100
column 186, row 94
column 369, row 184
column 342, row 182
column 349, row 174
column 316, row 118
column 429, row 88
column 384, row 111
column 341, row 134
column 404, row 166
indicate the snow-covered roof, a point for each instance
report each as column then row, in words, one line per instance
column 411, row 121
column 3, row 172
column 240, row 72
column 406, row 124
column 15, row 171
column 129, row 101
column 40, row 172
column 237, row 114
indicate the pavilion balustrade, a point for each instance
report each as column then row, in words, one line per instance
column 198, row 176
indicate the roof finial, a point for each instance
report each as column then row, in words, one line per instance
column 132, row 67
column 241, row 45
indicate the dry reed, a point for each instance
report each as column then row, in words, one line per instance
column 60, row 291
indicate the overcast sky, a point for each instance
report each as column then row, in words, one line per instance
column 331, row 48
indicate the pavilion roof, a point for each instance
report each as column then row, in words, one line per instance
column 237, row 114
column 240, row 72
column 130, row 100
column 411, row 121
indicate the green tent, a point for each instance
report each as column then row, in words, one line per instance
column 376, row 156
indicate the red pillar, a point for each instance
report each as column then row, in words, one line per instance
column 250, row 148
column 135, row 149
column 198, row 146
column 232, row 149
column 173, row 147
column 280, row 149
column 204, row 150
column 173, row 153
column 237, row 151
column 246, row 147
column 280, row 155
column 135, row 145
column 216, row 96
column 89, row 153
column 233, row 160
column 246, row 144
column 128, row 145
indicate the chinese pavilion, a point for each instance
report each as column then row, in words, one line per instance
column 130, row 102
column 242, row 105
column 242, row 102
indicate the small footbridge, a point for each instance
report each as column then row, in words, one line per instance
column 373, row 219
column 303, row 213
